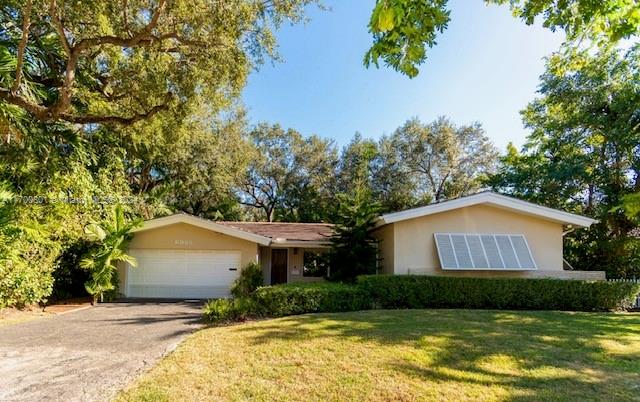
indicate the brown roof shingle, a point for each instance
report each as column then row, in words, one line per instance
column 286, row 231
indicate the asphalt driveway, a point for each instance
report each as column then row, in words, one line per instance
column 89, row 355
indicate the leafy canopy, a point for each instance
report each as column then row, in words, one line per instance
column 583, row 155
column 402, row 30
column 123, row 61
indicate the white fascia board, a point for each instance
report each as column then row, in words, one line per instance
column 301, row 243
column 497, row 200
column 204, row 224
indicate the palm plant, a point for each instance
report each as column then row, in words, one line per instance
column 111, row 238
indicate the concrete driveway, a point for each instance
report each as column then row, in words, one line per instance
column 89, row 355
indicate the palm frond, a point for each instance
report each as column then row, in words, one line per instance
column 94, row 232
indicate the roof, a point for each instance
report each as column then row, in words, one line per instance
column 494, row 200
column 264, row 233
column 280, row 231
column 204, row 224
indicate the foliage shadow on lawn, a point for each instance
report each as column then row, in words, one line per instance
column 555, row 355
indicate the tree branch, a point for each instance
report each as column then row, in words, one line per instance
column 40, row 112
column 44, row 114
column 26, row 24
column 57, row 24
column 98, row 119
column 64, row 99
column 144, row 33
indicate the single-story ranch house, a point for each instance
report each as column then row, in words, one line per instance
column 485, row 234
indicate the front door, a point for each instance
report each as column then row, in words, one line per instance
column 278, row 266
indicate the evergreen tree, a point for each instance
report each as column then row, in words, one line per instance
column 354, row 250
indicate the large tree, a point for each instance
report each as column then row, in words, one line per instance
column 289, row 177
column 101, row 101
column 392, row 183
column 442, row 159
column 403, row 29
column 123, row 61
column 418, row 164
column 191, row 165
column 584, row 154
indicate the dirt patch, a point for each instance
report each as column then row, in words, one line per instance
column 65, row 306
column 11, row 315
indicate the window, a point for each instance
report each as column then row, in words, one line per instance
column 316, row 264
column 484, row 251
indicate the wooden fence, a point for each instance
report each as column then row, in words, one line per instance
column 631, row 280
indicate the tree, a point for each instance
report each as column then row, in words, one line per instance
column 124, row 61
column 111, row 238
column 54, row 175
column 583, row 154
column 354, row 251
column 631, row 206
column 77, row 79
column 418, row 164
column 309, row 194
column 191, row 165
column 357, row 163
column 392, row 183
column 272, row 166
column 402, row 30
column 443, row 160
column 287, row 173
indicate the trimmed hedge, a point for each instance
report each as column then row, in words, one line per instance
column 409, row 291
column 289, row 299
column 296, row 298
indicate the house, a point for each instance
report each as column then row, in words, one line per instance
column 183, row 256
column 485, row 234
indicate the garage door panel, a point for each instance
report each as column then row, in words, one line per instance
column 178, row 292
column 182, row 273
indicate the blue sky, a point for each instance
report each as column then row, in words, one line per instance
column 485, row 68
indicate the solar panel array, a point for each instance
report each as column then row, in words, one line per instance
column 484, row 251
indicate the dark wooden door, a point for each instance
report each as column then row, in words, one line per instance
column 278, row 266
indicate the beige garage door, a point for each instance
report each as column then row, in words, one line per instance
column 197, row 274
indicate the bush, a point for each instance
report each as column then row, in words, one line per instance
column 290, row 299
column 26, row 276
column 23, row 284
column 395, row 291
column 225, row 310
column 250, row 279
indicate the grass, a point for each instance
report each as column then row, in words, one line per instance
column 406, row 355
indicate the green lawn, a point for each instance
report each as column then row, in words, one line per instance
column 406, row 355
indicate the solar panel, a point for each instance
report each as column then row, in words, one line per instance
column 484, row 251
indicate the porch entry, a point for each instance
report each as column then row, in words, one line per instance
column 279, row 257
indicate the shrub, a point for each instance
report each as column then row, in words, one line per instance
column 250, row 279
column 25, row 277
column 290, row 299
column 22, row 283
column 398, row 291
column 224, row 310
